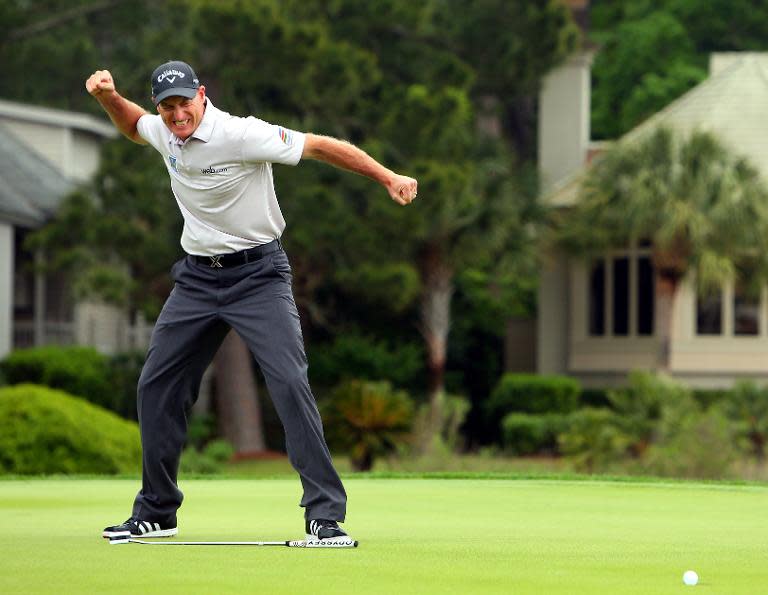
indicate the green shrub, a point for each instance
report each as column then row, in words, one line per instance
column 593, row 439
column 696, row 445
column 530, row 393
column 367, row 419
column 654, row 426
column 209, row 460
column 80, row 371
column 48, row 431
column 641, row 406
column 525, row 434
column 746, row 407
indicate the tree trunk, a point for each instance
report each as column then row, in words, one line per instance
column 666, row 290
column 239, row 412
column 436, row 296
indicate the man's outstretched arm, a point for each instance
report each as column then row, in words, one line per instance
column 342, row 154
column 123, row 113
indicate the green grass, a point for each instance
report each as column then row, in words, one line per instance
column 541, row 536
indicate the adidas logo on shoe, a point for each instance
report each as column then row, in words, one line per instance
column 325, row 530
column 138, row 528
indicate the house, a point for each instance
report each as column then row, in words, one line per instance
column 44, row 154
column 596, row 320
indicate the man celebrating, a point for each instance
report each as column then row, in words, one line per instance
column 235, row 275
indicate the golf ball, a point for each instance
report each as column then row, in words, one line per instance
column 690, row 577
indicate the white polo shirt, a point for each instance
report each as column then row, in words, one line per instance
column 221, row 177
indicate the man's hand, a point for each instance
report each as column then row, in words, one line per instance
column 100, row 82
column 402, row 189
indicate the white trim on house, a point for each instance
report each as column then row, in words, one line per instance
column 56, row 117
column 6, row 287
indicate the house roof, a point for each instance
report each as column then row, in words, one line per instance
column 30, row 187
column 57, row 117
column 731, row 104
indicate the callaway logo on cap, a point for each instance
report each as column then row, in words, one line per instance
column 174, row 78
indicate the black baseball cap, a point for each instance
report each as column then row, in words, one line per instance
column 174, row 78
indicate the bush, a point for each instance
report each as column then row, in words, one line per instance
column 48, row 431
column 655, row 426
column 367, row 419
column 209, row 460
column 525, row 434
column 80, row 371
column 530, row 393
column 593, row 439
column 746, row 406
column 697, row 445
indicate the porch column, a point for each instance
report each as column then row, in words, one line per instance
column 39, row 300
column 552, row 337
column 7, row 256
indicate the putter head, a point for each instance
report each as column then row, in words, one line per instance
column 120, row 539
column 332, row 543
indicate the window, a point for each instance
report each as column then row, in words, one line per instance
column 733, row 311
column 746, row 312
column 622, row 294
column 597, row 299
column 645, row 295
column 709, row 314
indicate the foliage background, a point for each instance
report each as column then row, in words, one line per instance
column 441, row 90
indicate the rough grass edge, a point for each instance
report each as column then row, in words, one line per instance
column 447, row 475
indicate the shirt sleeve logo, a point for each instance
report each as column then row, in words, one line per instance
column 285, row 135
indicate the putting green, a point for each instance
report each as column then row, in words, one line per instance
column 416, row 536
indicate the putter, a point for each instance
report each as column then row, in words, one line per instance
column 322, row 544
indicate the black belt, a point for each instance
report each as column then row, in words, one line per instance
column 237, row 258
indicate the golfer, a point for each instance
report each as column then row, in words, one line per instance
column 235, row 275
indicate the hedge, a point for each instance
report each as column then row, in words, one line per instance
column 81, row 371
column 45, row 431
column 525, row 434
column 534, row 394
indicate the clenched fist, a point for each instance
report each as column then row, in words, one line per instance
column 100, row 82
column 402, row 189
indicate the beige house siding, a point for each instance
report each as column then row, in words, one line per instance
column 71, row 143
column 732, row 105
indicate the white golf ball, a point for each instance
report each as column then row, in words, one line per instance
column 690, row 578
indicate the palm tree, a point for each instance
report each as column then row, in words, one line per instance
column 704, row 210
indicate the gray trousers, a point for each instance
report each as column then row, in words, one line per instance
column 255, row 299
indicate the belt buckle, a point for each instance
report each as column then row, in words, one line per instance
column 215, row 262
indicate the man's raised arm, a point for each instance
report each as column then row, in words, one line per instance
column 402, row 189
column 123, row 113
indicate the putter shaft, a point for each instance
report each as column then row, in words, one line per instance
column 298, row 543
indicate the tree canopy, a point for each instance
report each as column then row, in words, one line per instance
column 652, row 51
column 407, row 81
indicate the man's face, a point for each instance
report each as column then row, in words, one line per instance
column 182, row 115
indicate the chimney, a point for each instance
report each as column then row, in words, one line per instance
column 564, row 109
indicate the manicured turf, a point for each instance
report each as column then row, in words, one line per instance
column 416, row 535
